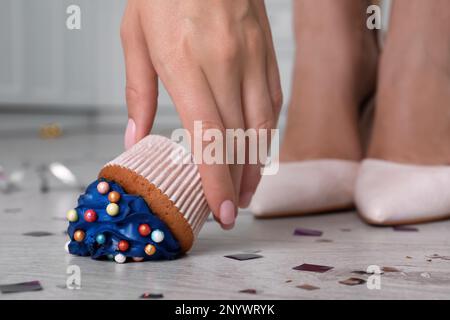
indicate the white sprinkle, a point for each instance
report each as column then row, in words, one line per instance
column 120, row 258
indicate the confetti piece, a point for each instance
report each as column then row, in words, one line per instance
column 147, row 295
column 390, row 269
column 359, row 272
column 12, row 210
column 408, row 257
column 244, row 256
column 405, row 228
column 307, row 287
column 249, row 291
column 38, row 234
column 21, row 287
column 307, row 232
column 352, row 281
column 324, row 240
column 437, row 256
column 287, row 281
column 312, row 268
column 63, row 174
column 425, row 275
column 362, row 272
column 50, row 131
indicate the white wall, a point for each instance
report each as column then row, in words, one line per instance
column 44, row 65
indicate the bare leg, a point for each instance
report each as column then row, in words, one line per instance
column 335, row 70
column 412, row 121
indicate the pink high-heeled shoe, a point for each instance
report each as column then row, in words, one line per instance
column 389, row 193
column 306, row 187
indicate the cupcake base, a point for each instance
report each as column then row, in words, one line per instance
column 159, row 203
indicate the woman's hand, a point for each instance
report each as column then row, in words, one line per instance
column 217, row 61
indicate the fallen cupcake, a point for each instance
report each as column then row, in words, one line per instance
column 147, row 204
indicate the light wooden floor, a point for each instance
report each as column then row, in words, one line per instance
column 204, row 273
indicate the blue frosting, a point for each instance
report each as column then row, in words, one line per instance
column 124, row 226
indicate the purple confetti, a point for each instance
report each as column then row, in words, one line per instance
column 405, row 228
column 352, row 281
column 21, row 287
column 437, row 256
column 307, row 287
column 147, row 295
column 38, row 234
column 12, row 210
column 244, row 256
column 390, row 269
column 362, row 272
column 324, row 240
column 307, row 232
column 312, row 268
column 249, row 291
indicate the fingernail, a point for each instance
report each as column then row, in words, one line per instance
column 227, row 213
column 130, row 134
column 245, row 199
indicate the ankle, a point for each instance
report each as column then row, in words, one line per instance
column 412, row 117
column 350, row 67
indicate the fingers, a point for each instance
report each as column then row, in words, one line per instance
column 273, row 84
column 141, row 78
column 258, row 114
column 273, row 74
column 224, row 80
column 195, row 102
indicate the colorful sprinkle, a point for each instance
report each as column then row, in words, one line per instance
column 79, row 235
column 123, row 245
column 103, row 187
column 150, row 249
column 100, row 238
column 120, row 258
column 72, row 215
column 138, row 259
column 114, row 197
column 144, row 229
column 157, row 236
column 66, row 246
column 90, row 215
column 112, row 209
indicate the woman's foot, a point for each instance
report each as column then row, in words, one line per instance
column 408, row 179
column 335, row 71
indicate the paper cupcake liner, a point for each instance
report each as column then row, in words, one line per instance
column 170, row 168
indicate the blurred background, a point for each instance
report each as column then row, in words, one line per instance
column 62, row 91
